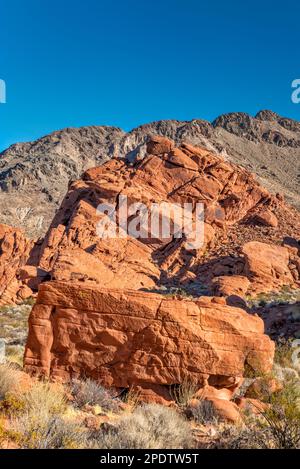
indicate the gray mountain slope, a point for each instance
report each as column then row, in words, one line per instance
column 34, row 176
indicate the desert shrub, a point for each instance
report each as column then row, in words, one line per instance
column 15, row 354
column 12, row 403
column 282, row 417
column 45, row 431
column 42, row 395
column 89, row 392
column 235, row 437
column 150, row 426
column 283, row 353
column 131, row 398
column 9, row 379
column 29, row 301
column 285, row 374
column 202, row 413
column 184, row 392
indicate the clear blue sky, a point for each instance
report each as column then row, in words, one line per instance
column 124, row 63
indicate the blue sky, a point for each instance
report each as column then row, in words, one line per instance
column 124, row 63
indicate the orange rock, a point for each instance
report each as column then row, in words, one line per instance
column 211, row 392
column 154, row 393
column 32, row 276
column 126, row 338
column 226, row 410
column 255, row 406
column 14, row 252
column 267, row 218
column 267, row 266
column 230, row 285
column 158, row 145
column 73, row 250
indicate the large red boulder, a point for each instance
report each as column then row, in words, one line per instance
column 125, row 338
column 267, row 266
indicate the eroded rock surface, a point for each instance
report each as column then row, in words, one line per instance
column 14, row 253
column 239, row 255
column 133, row 338
column 231, row 196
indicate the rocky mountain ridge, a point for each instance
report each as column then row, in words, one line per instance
column 34, row 176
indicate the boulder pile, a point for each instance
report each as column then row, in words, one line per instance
column 105, row 306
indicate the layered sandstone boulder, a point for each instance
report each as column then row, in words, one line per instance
column 14, row 253
column 267, row 266
column 125, row 338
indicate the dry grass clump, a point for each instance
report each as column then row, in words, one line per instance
column 43, row 430
column 9, row 379
column 150, row 426
column 43, row 395
column 89, row 392
column 37, row 418
column 131, row 399
column 184, row 392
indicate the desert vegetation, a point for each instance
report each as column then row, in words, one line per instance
column 14, row 329
column 83, row 414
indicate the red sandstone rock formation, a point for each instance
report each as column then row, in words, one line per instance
column 98, row 318
column 133, row 338
column 233, row 200
column 238, row 211
column 267, row 266
column 14, row 252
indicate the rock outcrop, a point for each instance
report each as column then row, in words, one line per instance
column 14, row 253
column 267, row 266
column 73, row 250
column 108, row 305
column 35, row 175
column 127, row 338
column 225, row 263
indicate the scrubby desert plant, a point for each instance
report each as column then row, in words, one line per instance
column 131, row 398
column 282, row 417
column 45, row 431
column 184, row 392
column 283, row 353
column 88, row 392
column 47, row 396
column 9, row 379
column 236, row 437
column 150, row 426
column 202, row 413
